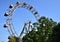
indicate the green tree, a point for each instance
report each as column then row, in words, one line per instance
column 41, row 32
column 55, row 37
column 13, row 39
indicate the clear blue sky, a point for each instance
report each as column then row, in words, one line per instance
column 48, row 8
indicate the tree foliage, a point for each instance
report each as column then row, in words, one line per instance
column 55, row 37
column 13, row 39
column 41, row 32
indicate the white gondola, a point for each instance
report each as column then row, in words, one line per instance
column 18, row 3
column 11, row 6
column 30, row 23
column 6, row 14
column 9, row 37
column 30, row 8
column 24, row 4
column 5, row 25
column 35, row 13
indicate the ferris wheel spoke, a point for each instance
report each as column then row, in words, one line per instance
column 9, row 31
column 14, row 29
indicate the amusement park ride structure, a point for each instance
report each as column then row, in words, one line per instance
column 27, row 26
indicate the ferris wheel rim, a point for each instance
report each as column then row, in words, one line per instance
column 18, row 5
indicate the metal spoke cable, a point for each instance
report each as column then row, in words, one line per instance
column 14, row 29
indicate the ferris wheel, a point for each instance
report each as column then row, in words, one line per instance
column 27, row 26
